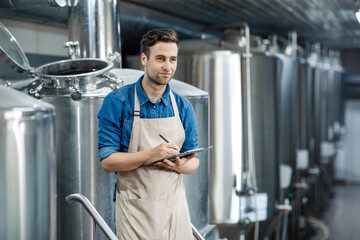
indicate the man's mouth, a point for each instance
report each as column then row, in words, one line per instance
column 165, row 74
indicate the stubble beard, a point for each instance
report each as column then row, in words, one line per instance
column 157, row 80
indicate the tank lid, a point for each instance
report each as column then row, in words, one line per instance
column 13, row 99
column 11, row 51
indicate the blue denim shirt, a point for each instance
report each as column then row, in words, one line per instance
column 116, row 117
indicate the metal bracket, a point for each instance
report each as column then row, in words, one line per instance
column 114, row 57
column 115, row 82
column 284, row 207
column 301, row 185
column 314, row 171
column 75, row 90
column 36, row 92
column 73, row 49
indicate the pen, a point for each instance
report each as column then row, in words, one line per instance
column 163, row 138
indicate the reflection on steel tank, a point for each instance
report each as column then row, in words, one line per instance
column 27, row 167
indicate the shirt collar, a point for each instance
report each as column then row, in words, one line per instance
column 143, row 98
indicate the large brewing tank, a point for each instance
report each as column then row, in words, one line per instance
column 76, row 88
column 308, row 74
column 28, row 167
column 320, row 102
column 197, row 184
column 305, row 110
column 218, row 66
column 314, row 68
column 334, row 96
column 287, row 107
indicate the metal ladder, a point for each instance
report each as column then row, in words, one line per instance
column 77, row 197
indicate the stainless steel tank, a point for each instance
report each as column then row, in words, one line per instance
column 28, row 167
column 79, row 168
column 287, row 108
column 219, row 68
column 218, row 72
column 334, row 95
column 76, row 88
column 320, row 107
column 305, row 111
column 197, row 184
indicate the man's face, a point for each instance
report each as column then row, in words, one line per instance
column 161, row 63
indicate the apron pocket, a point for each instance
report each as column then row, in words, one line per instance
column 150, row 218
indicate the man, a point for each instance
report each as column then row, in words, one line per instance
column 150, row 201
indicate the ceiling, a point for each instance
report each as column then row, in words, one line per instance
column 330, row 22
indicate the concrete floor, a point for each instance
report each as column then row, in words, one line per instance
column 343, row 215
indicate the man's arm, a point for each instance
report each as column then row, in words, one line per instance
column 185, row 165
column 120, row 161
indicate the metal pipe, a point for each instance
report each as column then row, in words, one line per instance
column 249, row 125
column 196, row 233
column 77, row 197
column 19, row 4
column 96, row 26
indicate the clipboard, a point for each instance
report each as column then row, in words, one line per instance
column 183, row 154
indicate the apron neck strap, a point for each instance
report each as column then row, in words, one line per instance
column 136, row 123
column 137, row 105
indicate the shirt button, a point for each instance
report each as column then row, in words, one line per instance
column 154, row 106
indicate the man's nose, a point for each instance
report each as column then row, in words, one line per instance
column 166, row 65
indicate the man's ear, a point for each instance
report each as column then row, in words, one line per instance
column 143, row 58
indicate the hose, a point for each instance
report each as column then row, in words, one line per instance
column 321, row 225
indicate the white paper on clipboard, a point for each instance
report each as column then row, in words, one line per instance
column 173, row 157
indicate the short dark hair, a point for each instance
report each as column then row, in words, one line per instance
column 158, row 35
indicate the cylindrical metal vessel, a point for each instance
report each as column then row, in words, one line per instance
column 96, row 26
column 28, row 167
column 197, row 184
column 334, row 96
column 287, row 109
column 305, row 111
column 77, row 89
column 220, row 70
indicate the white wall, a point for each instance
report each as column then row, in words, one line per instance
column 38, row 38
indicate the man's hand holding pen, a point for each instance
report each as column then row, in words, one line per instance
column 178, row 164
column 163, row 150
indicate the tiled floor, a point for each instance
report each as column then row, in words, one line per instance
column 343, row 215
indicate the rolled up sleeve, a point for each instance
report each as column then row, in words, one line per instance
column 109, row 126
column 189, row 123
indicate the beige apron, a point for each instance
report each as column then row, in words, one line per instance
column 150, row 201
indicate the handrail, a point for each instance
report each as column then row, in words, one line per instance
column 196, row 233
column 77, row 197
column 92, row 211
